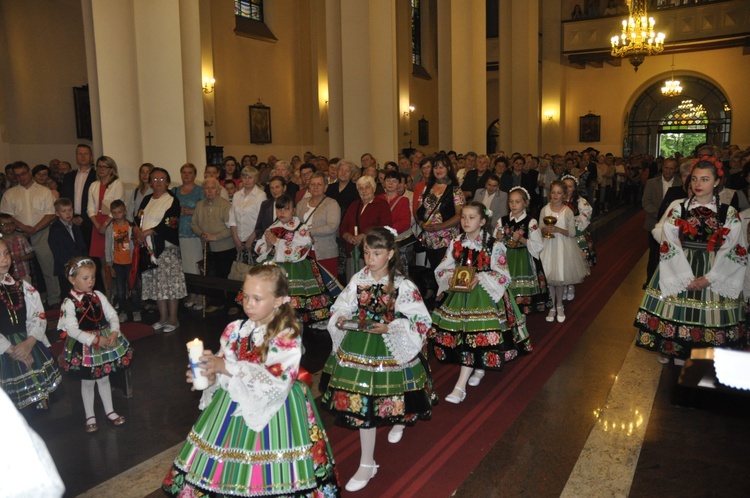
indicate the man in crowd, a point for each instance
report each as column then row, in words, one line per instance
column 653, row 195
column 344, row 191
column 477, row 176
column 75, row 186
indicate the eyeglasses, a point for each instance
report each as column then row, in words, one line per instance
column 103, row 166
column 158, row 180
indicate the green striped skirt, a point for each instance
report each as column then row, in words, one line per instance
column 586, row 244
column 528, row 284
column 291, row 456
column 28, row 385
column 310, row 296
column 674, row 325
column 471, row 329
column 364, row 385
column 89, row 362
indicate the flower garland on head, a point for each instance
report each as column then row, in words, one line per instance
column 81, row 263
column 522, row 189
column 569, row 177
column 709, row 159
column 392, row 230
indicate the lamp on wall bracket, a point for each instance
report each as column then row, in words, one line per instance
column 638, row 38
column 549, row 115
column 408, row 113
column 671, row 88
column 208, row 85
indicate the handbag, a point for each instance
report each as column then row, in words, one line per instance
column 239, row 268
column 144, row 259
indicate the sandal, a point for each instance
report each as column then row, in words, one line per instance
column 91, row 426
column 117, row 420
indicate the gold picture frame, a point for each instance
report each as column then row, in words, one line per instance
column 463, row 276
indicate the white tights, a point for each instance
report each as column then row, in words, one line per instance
column 105, row 392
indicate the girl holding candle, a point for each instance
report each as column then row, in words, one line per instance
column 262, row 408
column 94, row 347
column 478, row 326
column 561, row 257
column 377, row 375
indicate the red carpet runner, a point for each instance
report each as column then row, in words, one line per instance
column 435, row 457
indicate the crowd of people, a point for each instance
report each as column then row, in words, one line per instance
column 330, row 244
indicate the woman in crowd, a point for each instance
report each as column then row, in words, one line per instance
column 693, row 299
column 142, row 189
column 28, row 373
column 401, row 216
column 103, row 191
column 230, row 171
column 244, row 214
column 245, row 162
column 191, row 247
column 362, row 215
column 322, row 216
column 267, row 211
column 157, row 229
column 439, row 213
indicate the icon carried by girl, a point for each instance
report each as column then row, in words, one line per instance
column 377, row 374
column 259, row 433
column 481, row 329
column 94, row 347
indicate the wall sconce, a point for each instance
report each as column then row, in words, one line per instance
column 208, row 85
column 549, row 115
column 408, row 113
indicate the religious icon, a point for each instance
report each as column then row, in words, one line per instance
column 462, row 278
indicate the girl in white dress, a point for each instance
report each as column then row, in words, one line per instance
column 561, row 257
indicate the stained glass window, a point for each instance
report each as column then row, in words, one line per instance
column 416, row 32
column 249, row 9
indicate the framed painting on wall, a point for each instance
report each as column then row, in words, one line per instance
column 260, row 124
column 589, row 128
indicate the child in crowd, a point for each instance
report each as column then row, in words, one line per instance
column 561, row 257
column 66, row 241
column 376, row 374
column 582, row 211
column 259, row 433
column 288, row 243
column 20, row 248
column 231, row 188
column 520, row 234
column 478, row 326
column 118, row 253
column 94, row 347
column 28, row 373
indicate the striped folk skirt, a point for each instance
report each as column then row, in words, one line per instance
column 89, row 362
column 528, row 285
column 310, row 296
column 28, row 385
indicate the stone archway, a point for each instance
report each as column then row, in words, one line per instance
column 646, row 117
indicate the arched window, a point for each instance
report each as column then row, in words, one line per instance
column 416, row 32
column 250, row 9
column 250, row 22
column 683, row 129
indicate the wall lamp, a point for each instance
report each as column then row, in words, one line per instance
column 208, row 85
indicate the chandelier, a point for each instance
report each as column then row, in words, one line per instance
column 671, row 88
column 638, row 38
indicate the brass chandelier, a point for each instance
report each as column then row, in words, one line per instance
column 671, row 88
column 638, row 38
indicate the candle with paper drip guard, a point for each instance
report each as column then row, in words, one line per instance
column 195, row 351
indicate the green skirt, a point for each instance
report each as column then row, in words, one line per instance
column 364, row 385
column 471, row 329
column 28, row 385
column 674, row 325
column 586, row 244
column 310, row 296
column 290, row 456
column 528, row 284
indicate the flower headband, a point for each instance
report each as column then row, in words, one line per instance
column 709, row 159
column 83, row 262
column 522, row 189
column 570, row 177
column 392, row 230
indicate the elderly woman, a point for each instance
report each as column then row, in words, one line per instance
column 191, row 249
column 322, row 216
column 363, row 214
column 102, row 192
column 401, row 216
column 158, row 220
column 439, row 211
column 244, row 213
column 141, row 190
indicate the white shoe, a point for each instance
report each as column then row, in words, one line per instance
column 571, row 292
column 355, row 484
column 395, row 436
column 551, row 315
column 171, row 328
column 476, row 378
column 679, row 362
column 456, row 399
column 123, row 317
column 560, row 314
column 159, row 325
column 136, row 316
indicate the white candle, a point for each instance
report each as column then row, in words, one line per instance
column 356, row 231
column 195, row 351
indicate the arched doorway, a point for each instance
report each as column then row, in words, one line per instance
column 493, row 134
column 657, row 123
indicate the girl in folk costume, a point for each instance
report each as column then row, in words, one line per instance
column 376, row 374
column 478, row 325
column 520, row 234
column 94, row 347
column 287, row 242
column 582, row 211
column 259, row 433
column 28, row 374
column 693, row 299
column 561, row 257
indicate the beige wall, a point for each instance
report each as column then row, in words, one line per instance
column 37, row 74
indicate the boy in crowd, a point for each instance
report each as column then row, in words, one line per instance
column 66, row 242
column 19, row 246
column 118, row 253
